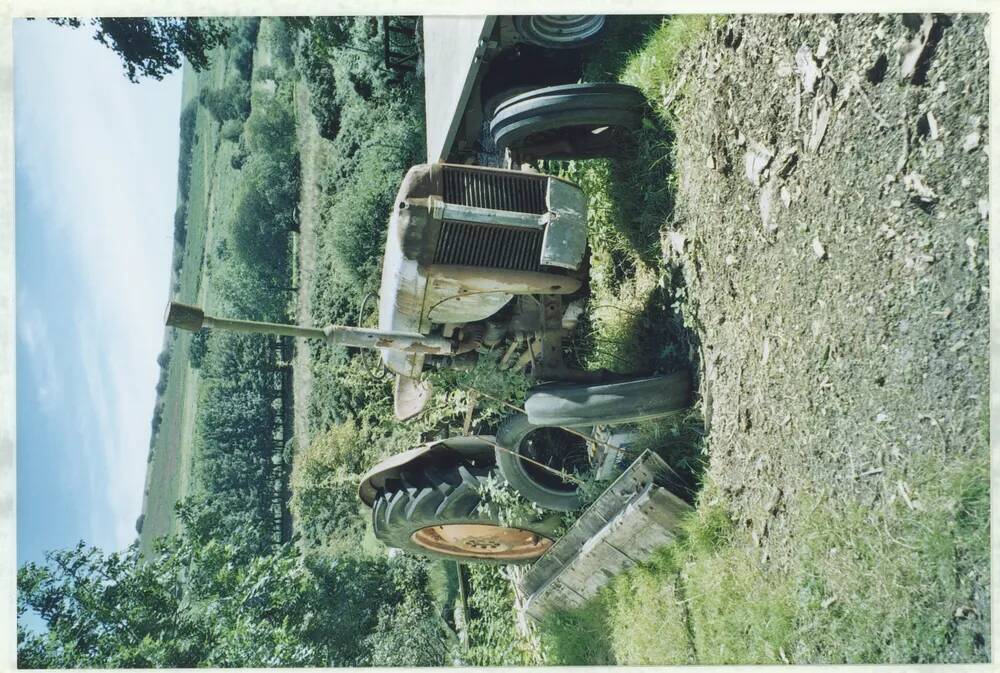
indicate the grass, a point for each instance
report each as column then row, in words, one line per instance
column 631, row 325
column 864, row 584
column 653, row 68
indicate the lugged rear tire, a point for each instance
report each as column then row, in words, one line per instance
column 433, row 510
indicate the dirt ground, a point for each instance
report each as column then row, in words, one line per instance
column 832, row 227
column 311, row 157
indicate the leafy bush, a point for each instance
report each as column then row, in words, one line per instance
column 281, row 40
column 163, row 359
column 241, row 45
column 232, row 101
column 408, row 634
column 198, row 347
column 324, row 486
column 317, row 67
column 231, row 130
column 492, row 629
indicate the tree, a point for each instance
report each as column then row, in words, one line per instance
column 232, row 101
column 204, row 598
column 153, row 46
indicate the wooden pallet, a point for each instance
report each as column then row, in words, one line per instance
column 631, row 519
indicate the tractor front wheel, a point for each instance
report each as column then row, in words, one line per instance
column 568, row 121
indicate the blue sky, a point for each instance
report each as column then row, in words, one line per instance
column 95, row 191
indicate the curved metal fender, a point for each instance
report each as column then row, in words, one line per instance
column 460, row 447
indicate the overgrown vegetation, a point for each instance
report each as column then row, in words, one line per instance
column 209, row 598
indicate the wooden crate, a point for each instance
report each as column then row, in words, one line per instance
column 632, row 518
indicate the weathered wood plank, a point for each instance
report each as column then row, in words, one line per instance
column 627, row 523
column 647, row 469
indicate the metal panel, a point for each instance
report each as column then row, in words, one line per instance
column 452, row 49
column 566, row 236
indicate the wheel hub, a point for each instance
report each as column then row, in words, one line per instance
column 476, row 540
column 558, row 31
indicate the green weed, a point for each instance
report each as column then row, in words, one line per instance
column 653, row 68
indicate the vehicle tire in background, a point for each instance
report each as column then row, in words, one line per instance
column 632, row 401
column 434, row 510
column 559, row 31
column 568, row 121
column 553, row 447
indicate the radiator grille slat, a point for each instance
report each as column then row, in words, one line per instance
column 516, row 192
column 488, row 246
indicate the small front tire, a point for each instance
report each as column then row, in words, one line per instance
column 569, row 121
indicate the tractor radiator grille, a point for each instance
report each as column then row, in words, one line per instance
column 511, row 191
column 489, row 246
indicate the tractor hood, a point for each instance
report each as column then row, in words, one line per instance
column 463, row 240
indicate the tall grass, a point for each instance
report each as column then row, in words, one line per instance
column 654, row 67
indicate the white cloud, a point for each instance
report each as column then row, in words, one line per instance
column 99, row 153
column 33, row 333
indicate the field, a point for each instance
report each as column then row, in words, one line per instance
column 171, row 474
column 169, row 471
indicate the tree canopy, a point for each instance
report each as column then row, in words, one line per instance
column 153, row 46
column 208, row 599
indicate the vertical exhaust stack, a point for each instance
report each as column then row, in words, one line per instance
column 193, row 319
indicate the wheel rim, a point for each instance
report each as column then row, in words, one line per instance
column 475, row 540
column 559, row 31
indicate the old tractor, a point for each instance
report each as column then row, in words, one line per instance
column 481, row 259
column 476, row 259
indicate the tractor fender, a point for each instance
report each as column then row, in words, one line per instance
column 457, row 447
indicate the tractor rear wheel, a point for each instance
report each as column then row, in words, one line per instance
column 434, row 510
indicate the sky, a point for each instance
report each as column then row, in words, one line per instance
column 95, row 191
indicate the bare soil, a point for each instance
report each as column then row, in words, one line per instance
column 831, row 222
